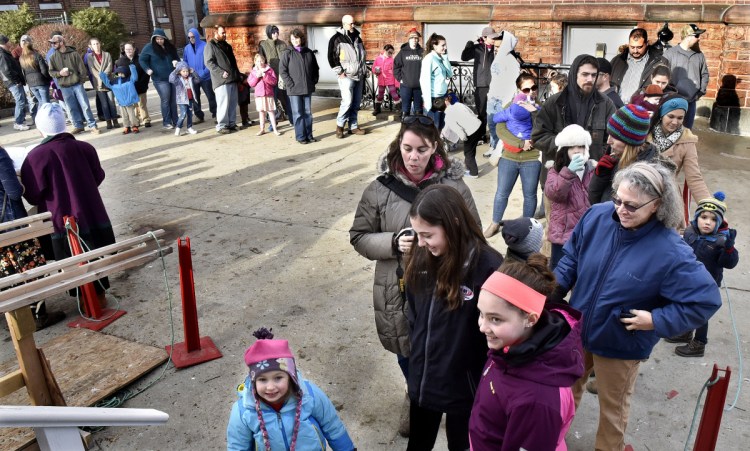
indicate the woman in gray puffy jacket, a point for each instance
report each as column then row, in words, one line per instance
column 413, row 161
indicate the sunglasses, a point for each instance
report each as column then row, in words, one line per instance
column 528, row 90
column 424, row 120
column 631, row 208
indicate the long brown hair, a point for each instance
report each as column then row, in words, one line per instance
column 443, row 205
column 433, row 40
column 428, row 133
column 28, row 56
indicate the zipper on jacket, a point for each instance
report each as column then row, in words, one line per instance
column 426, row 347
column 595, row 294
column 283, row 431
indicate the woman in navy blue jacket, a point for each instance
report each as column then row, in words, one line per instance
column 635, row 281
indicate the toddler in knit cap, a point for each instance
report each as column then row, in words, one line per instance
column 277, row 409
column 523, row 237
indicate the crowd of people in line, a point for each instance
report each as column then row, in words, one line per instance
column 488, row 340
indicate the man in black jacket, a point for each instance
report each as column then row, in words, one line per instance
column 12, row 75
column 220, row 61
column 483, row 53
column 631, row 69
column 406, row 68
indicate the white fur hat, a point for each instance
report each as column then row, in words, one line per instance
column 573, row 135
column 50, row 119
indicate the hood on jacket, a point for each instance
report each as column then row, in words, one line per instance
column 454, row 172
column 125, row 70
column 558, row 329
column 573, row 77
column 195, row 32
column 270, row 29
column 158, row 33
column 508, row 44
column 181, row 65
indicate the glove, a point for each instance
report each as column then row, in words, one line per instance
column 729, row 243
column 606, row 165
column 469, row 44
column 577, row 163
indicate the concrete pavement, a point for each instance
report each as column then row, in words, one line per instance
column 268, row 220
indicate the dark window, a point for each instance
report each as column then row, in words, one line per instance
column 160, row 8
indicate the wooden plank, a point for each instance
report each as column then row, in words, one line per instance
column 24, row 295
column 89, row 367
column 11, row 382
column 469, row 13
column 69, row 264
column 24, row 221
column 22, row 328
column 25, row 233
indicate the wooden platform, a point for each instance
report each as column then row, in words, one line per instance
column 89, row 366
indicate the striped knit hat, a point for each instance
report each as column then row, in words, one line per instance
column 629, row 124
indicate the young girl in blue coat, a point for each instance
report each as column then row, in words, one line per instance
column 277, row 409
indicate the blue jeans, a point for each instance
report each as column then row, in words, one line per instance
column 78, row 103
column 409, row 96
column 438, row 117
column 185, row 111
column 493, row 131
column 351, row 97
column 302, row 117
column 20, row 98
column 41, row 93
column 507, row 174
column 168, row 97
column 108, row 105
column 209, row 91
column 689, row 115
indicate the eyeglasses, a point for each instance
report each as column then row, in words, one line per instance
column 630, row 208
column 191, row 37
column 528, row 90
column 424, row 120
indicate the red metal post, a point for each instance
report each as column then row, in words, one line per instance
column 686, row 202
column 88, row 292
column 713, row 409
column 195, row 349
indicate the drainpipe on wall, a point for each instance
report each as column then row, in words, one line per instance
column 153, row 16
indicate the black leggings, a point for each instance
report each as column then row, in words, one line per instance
column 424, row 425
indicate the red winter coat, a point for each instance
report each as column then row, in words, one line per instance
column 263, row 85
column 570, row 200
column 385, row 77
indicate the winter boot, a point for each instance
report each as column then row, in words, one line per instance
column 43, row 318
column 694, row 348
column 687, row 337
column 376, row 109
column 339, row 132
column 115, row 123
column 109, row 124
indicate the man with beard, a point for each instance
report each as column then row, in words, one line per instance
column 631, row 69
column 689, row 69
column 579, row 103
column 220, row 61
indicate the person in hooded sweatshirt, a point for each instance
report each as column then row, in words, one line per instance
column 271, row 49
column 193, row 56
column 406, row 68
column 158, row 59
column 505, row 70
column 524, row 399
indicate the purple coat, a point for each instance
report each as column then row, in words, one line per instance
column 62, row 176
column 524, row 399
column 518, row 120
column 570, row 200
column 264, row 84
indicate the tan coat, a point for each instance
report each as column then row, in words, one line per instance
column 96, row 67
column 380, row 215
column 684, row 155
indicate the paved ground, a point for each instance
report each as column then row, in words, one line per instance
column 268, row 221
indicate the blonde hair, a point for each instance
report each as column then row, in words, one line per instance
column 260, row 55
column 655, row 180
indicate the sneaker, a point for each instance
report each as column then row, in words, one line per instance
column 693, row 349
column 684, row 338
column 470, row 175
column 135, row 130
column 94, row 130
column 491, row 230
column 126, row 130
column 177, row 131
column 76, row 131
column 20, row 127
column 168, row 127
column 223, row 131
column 339, row 132
column 192, row 131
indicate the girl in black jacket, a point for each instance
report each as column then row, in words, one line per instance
column 450, row 260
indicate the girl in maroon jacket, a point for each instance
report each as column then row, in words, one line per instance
column 524, row 399
column 567, row 186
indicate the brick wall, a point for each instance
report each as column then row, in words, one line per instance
column 538, row 25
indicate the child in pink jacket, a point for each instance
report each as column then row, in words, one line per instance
column 263, row 79
column 567, row 186
column 383, row 68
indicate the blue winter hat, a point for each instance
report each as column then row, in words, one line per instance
column 125, row 70
column 675, row 103
column 715, row 205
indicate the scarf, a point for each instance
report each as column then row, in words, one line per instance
column 662, row 142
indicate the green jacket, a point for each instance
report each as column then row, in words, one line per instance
column 73, row 61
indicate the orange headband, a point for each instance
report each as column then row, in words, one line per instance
column 516, row 292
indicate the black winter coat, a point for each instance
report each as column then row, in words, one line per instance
column 299, row 70
column 447, row 350
column 408, row 65
column 10, row 69
column 39, row 75
column 483, row 58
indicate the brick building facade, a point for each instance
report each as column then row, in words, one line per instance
column 135, row 14
column 539, row 25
